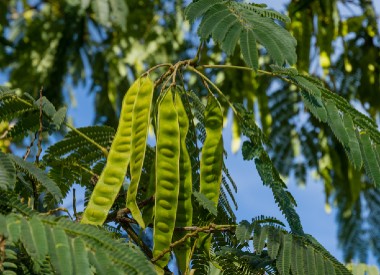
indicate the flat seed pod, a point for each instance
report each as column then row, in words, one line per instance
column 167, row 178
column 113, row 174
column 212, row 152
column 140, row 126
column 185, row 207
column 211, row 160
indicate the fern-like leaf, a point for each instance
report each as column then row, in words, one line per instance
column 283, row 258
column 198, row 8
column 14, row 107
column 319, row 263
column 37, row 175
column 58, row 118
column 72, row 248
column 229, row 191
column 354, row 146
column 259, row 239
column 264, row 12
column 73, row 142
column 205, row 203
column 274, row 241
column 343, row 128
column 244, row 231
column 24, row 111
column 247, row 39
column 229, row 21
column 284, row 200
column 46, row 106
column 34, row 238
column 27, row 123
column 336, row 123
column 315, row 106
column 363, row 269
column 5, row 92
column 290, row 253
column 309, row 256
column 80, row 257
column 7, row 173
column 298, row 259
column 370, row 162
column 59, row 248
column 268, row 173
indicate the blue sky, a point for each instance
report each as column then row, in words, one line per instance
column 254, row 199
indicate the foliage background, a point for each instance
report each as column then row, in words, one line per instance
column 86, row 57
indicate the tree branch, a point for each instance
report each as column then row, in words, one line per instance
column 121, row 213
column 207, row 229
column 124, row 222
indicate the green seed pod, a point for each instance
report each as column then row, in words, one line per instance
column 167, row 177
column 140, row 126
column 185, row 207
column 113, row 174
column 211, row 160
column 212, row 152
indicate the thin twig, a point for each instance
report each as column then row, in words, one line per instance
column 163, row 88
column 164, row 76
column 242, row 68
column 214, row 86
column 59, row 209
column 191, row 118
column 132, row 234
column 104, row 150
column 208, row 229
column 75, row 205
column 167, row 250
column 156, row 67
column 208, row 89
column 179, row 65
column 197, row 57
column 116, row 215
column 29, row 147
column 225, row 67
column 191, row 255
column 212, row 229
column 39, row 130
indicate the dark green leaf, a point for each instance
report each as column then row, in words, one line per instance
column 248, row 48
column 38, row 175
column 205, row 202
column 370, row 163
column 336, row 123
column 7, row 173
column 244, row 231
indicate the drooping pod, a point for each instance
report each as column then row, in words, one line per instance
column 185, row 208
column 167, row 177
column 212, row 152
column 113, row 174
column 211, row 161
column 140, row 126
